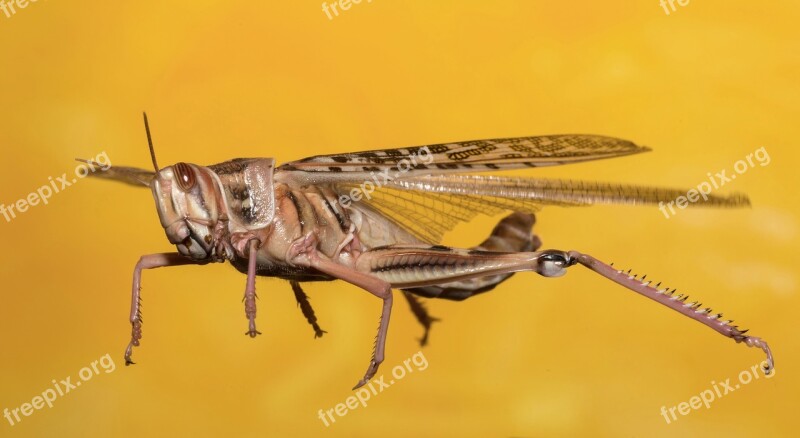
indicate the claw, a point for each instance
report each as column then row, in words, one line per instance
column 128, row 353
column 373, row 368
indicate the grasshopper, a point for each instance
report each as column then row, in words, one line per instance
column 375, row 219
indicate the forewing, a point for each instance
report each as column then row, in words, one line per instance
column 467, row 156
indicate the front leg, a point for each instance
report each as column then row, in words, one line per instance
column 148, row 262
column 250, row 289
column 304, row 253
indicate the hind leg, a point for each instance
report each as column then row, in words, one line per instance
column 413, row 266
column 512, row 234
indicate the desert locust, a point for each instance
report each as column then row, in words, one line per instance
column 376, row 219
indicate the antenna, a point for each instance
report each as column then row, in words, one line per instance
column 150, row 142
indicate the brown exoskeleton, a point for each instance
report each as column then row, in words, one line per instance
column 375, row 219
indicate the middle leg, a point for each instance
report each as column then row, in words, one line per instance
column 303, row 252
column 305, row 307
column 421, row 313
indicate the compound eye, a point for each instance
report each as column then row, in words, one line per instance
column 185, row 176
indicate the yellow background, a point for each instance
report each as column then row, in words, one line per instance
column 704, row 86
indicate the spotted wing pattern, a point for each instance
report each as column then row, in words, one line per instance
column 467, row 156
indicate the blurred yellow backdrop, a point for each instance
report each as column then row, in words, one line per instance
column 704, row 86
